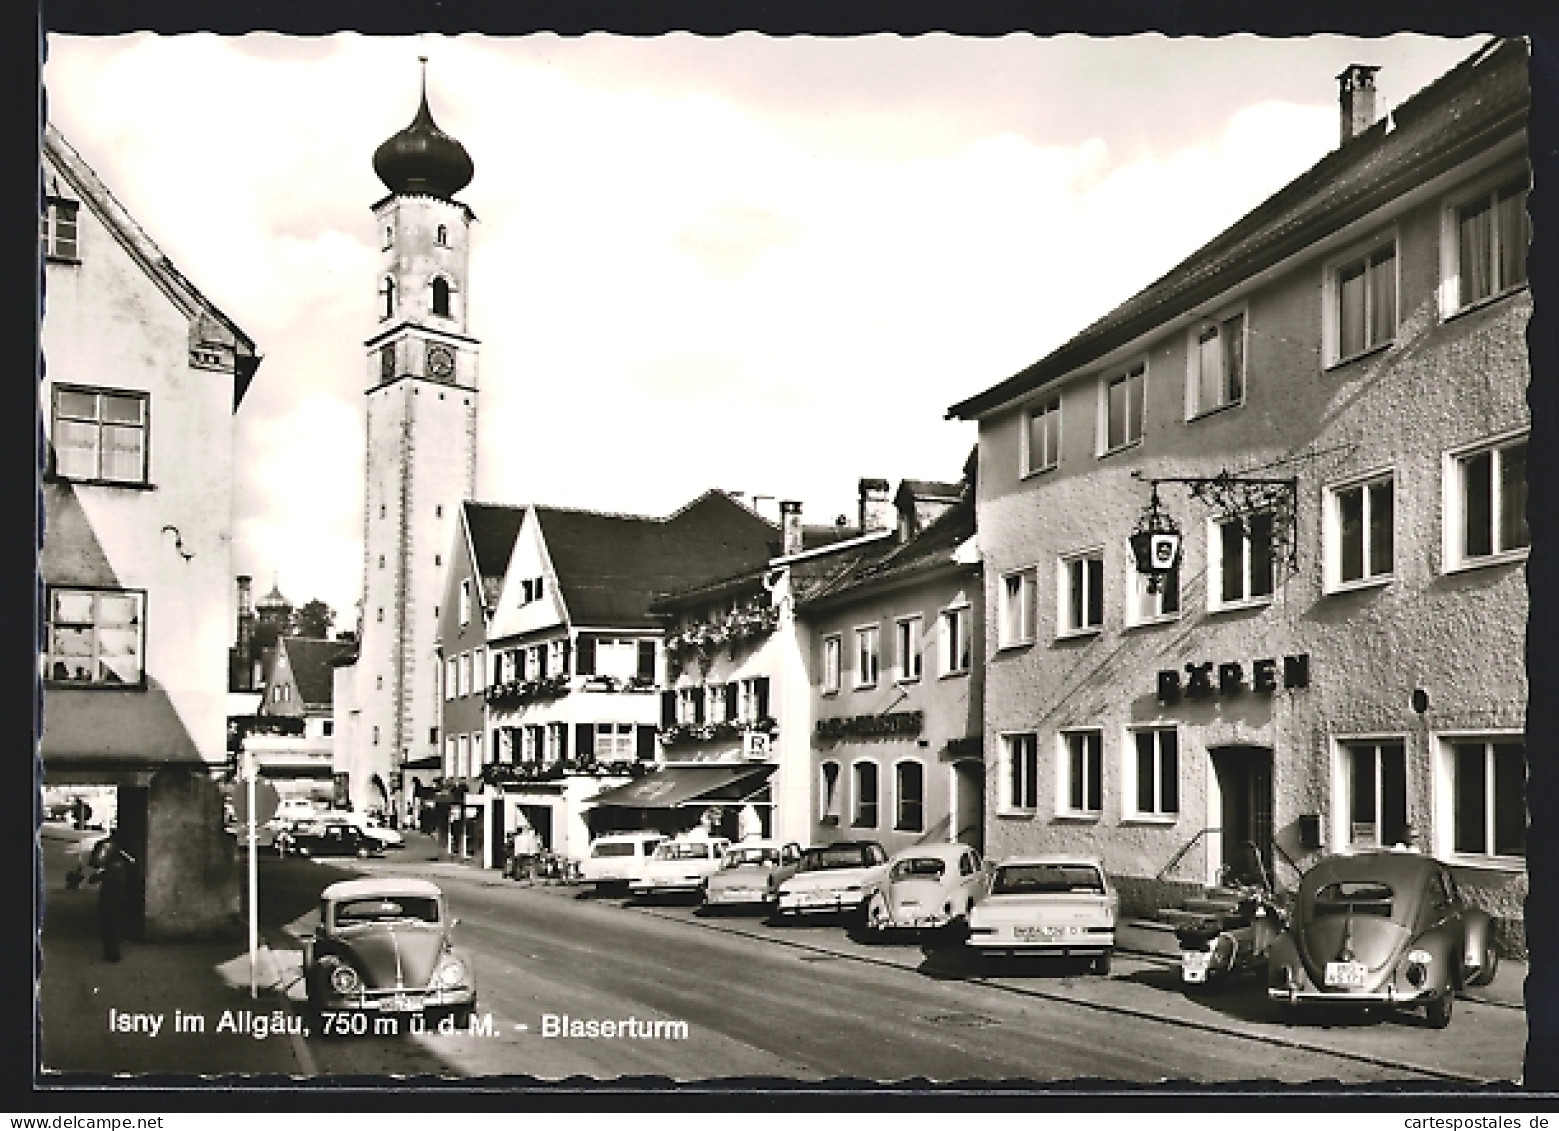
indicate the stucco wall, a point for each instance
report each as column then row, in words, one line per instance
column 1458, row 636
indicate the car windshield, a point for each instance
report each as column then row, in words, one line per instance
column 386, row 909
column 1035, row 879
column 614, row 848
column 836, row 856
column 765, row 857
column 688, row 850
column 1356, row 897
column 919, row 868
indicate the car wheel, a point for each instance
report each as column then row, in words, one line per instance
column 362, row 852
column 1486, row 972
column 1439, row 1010
column 1101, row 964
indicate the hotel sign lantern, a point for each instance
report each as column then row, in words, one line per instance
column 1155, row 544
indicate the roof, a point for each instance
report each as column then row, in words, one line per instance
column 1482, row 100
column 1394, row 868
column 492, row 529
column 611, row 566
column 933, row 549
column 208, row 325
column 928, row 489
column 380, row 885
column 1026, row 858
column 312, row 662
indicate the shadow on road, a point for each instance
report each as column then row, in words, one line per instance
column 952, row 961
column 1245, row 999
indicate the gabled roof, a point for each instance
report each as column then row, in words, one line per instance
column 933, row 549
column 312, row 662
column 492, row 529
column 1480, row 102
column 610, row 566
column 208, row 325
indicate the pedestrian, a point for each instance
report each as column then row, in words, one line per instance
column 523, row 847
column 113, row 880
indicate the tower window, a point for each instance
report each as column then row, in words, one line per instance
column 389, row 237
column 387, row 363
column 442, row 238
column 381, row 510
column 387, row 298
column 438, row 510
column 441, row 298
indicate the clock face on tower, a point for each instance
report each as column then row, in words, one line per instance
column 441, row 363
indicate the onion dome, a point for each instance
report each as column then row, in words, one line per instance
column 423, row 159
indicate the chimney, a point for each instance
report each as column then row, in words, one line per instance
column 877, row 511
column 245, row 611
column 790, row 528
column 1356, row 101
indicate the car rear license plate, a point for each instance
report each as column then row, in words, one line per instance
column 817, row 899
column 1193, row 965
column 1038, row 934
column 1345, row 973
column 401, row 1003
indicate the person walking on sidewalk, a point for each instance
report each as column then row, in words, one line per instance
column 113, row 880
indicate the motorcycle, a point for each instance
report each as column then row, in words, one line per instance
column 1216, row 947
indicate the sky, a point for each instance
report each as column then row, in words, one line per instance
column 761, row 264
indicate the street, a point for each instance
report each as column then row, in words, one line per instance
column 807, row 1003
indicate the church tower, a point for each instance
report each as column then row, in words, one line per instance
column 421, row 390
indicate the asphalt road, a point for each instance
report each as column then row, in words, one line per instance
column 744, row 1000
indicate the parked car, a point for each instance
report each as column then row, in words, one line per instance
column 615, row 859
column 329, row 836
column 1047, row 905
column 929, row 886
column 383, row 947
column 679, row 867
column 373, row 827
column 833, row 878
column 1381, row 928
column 751, row 873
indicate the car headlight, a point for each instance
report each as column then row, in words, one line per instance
column 451, row 973
column 1416, row 971
column 344, row 980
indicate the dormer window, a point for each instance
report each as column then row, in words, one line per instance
column 387, row 298
column 441, row 298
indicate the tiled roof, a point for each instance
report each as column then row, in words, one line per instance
column 1461, row 114
column 611, row 566
column 493, row 528
column 929, row 550
column 313, row 666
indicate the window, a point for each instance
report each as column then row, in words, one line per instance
column 1360, row 521
column 614, row 742
column 1082, row 593
column 465, row 674
column 557, row 656
column 327, row 727
column 478, row 758
column 97, row 637
column 1042, row 439
column 463, row 756
column 829, row 789
column 1122, row 409
column 1486, row 504
column 1488, row 793
column 907, row 635
column 1083, row 771
column 1020, row 776
column 378, row 683
column 833, row 649
column 442, row 236
column 865, row 796
column 387, row 298
column 1015, row 608
column 909, row 792
column 1217, row 377
column 1487, row 245
column 557, row 741
column 1143, row 607
column 58, row 229
column 1241, row 567
column 957, row 643
column 1361, row 304
column 479, row 670
column 465, row 600
column 100, row 435
column 1156, row 769
column 441, row 298
column 451, row 677
column 754, row 696
column 528, row 737
column 1374, row 784
column 867, row 656
column 376, row 736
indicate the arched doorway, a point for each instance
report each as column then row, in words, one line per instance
column 1243, row 776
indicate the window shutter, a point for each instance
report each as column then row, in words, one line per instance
column 584, row 741
column 698, row 705
column 761, row 693
column 647, row 659
column 541, row 661
column 584, row 663
column 563, row 659
column 731, row 691
column 561, row 753
column 646, row 737
column 668, row 708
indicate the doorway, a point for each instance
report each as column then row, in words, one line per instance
column 969, row 803
column 1244, row 776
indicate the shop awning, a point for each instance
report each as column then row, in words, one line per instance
column 675, row 786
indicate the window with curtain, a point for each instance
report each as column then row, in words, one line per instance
column 1491, row 242
column 1123, row 407
column 100, row 435
column 1218, row 364
column 1366, row 302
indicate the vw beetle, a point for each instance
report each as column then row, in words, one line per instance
column 382, row 947
column 1385, row 929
